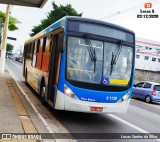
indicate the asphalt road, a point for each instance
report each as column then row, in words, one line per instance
column 140, row 118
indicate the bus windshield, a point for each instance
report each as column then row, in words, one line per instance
column 82, row 68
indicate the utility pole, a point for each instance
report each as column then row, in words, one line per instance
column 1, row 29
column 3, row 48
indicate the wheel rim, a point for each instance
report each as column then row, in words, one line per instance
column 148, row 99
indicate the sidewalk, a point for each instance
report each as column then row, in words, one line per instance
column 13, row 115
column 17, row 115
column 9, row 118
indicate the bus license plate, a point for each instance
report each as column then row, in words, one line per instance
column 98, row 109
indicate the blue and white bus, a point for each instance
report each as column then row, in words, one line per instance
column 81, row 64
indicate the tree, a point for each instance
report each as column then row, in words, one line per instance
column 9, row 47
column 12, row 21
column 57, row 13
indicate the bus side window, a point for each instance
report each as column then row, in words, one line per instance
column 30, row 46
column 25, row 50
column 34, row 54
column 39, row 54
column 36, row 51
column 28, row 50
column 33, row 46
column 48, row 43
column 46, row 53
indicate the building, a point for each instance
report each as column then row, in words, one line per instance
column 147, row 55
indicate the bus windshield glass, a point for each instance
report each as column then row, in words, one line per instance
column 82, row 68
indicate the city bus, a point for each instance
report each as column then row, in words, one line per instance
column 81, row 64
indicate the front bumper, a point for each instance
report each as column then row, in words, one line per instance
column 85, row 106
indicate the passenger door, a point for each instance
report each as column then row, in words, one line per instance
column 54, row 65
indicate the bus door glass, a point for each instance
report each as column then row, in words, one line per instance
column 54, row 66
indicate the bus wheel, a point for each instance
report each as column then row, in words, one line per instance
column 42, row 94
column 26, row 78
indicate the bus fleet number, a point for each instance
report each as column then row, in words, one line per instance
column 111, row 98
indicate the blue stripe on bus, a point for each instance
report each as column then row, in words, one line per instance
column 97, row 96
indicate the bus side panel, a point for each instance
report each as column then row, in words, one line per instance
column 34, row 76
column 60, row 101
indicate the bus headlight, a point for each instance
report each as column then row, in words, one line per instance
column 125, row 97
column 69, row 92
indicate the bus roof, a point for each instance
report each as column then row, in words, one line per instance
column 62, row 21
column 98, row 22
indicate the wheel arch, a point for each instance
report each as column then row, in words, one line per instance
column 40, row 80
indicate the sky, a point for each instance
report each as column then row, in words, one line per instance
column 123, row 13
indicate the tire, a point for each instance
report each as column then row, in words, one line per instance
column 42, row 93
column 148, row 99
column 26, row 78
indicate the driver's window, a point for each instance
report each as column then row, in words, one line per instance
column 80, row 63
column 140, row 84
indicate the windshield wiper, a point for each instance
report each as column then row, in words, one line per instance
column 72, row 60
column 91, row 50
column 115, row 55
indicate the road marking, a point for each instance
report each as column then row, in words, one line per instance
column 16, row 64
column 130, row 125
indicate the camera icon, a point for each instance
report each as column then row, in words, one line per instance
column 148, row 5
